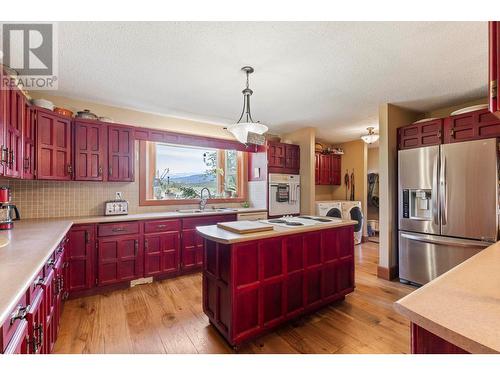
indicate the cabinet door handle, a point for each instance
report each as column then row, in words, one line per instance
column 118, row 229
column 86, row 236
column 146, row 244
column 452, row 132
column 26, row 164
column 136, row 247
column 99, row 171
column 110, row 171
column 19, row 314
column 70, row 169
column 4, row 153
column 11, row 159
column 161, row 226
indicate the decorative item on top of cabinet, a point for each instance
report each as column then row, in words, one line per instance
column 89, row 150
column 120, row 153
column 53, row 140
column 421, row 133
column 471, row 126
column 494, row 66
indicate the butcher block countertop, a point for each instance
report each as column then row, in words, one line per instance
column 29, row 246
column 214, row 233
column 26, row 248
column 461, row 306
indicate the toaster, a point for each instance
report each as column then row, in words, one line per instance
column 116, row 207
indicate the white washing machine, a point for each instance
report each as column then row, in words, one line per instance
column 329, row 208
column 350, row 210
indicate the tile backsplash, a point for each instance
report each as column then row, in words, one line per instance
column 47, row 199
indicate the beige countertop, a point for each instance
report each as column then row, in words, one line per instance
column 159, row 215
column 461, row 306
column 30, row 243
column 214, row 233
column 29, row 246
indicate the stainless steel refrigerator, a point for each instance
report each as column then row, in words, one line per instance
column 448, row 206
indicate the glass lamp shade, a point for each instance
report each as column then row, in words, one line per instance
column 241, row 129
column 370, row 138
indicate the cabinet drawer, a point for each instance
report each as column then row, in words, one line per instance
column 194, row 222
column 13, row 322
column 115, row 229
column 162, row 226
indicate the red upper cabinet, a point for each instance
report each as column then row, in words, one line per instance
column 89, row 150
column 420, row 134
column 327, row 169
column 3, row 114
column 283, row 158
column 120, row 153
column 471, row 126
column 29, row 142
column 53, row 140
column 292, row 158
column 276, row 154
column 494, row 66
column 14, row 118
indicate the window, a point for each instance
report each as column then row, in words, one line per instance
column 177, row 173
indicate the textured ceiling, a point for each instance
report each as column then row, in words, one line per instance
column 328, row 75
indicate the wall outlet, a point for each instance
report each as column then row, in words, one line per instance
column 118, row 196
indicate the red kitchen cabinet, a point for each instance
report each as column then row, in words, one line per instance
column 19, row 342
column 328, row 169
column 53, row 140
column 120, row 153
column 89, row 150
column 161, row 253
column 494, row 66
column 50, row 295
column 292, row 158
column 421, row 134
column 471, row 126
column 36, row 324
column 3, row 146
column 119, row 259
column 192, row 243
column 276, row 155
column 80, row 252
column 283, row 158
column 29, row 134
column 14, row 118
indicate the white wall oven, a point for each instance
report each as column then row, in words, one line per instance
column 284, row 194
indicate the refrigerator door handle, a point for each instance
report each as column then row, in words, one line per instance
column 447, row 242
column 443, row 192
column 434, row 194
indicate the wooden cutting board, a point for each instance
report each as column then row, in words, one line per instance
column 245, row 226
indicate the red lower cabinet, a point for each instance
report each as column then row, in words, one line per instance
column 161, row 253
column 36, row 324
column 249, row 287
column 19, row 342
column 118, row 259
column 80, row 258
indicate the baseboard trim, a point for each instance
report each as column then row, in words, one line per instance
column 387, row 273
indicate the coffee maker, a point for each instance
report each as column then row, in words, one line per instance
column 7, row 209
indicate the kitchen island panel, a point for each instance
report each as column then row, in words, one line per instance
column 272, row 280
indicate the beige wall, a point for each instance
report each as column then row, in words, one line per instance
column 305, row 138
column 324, row 192
column 390, row 118
column 372, row 164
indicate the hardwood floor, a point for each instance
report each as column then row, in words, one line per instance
column 167, row 317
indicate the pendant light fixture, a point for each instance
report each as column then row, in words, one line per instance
column 246, row 124
column 371, row 137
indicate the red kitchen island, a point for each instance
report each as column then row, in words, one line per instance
column 254, row 282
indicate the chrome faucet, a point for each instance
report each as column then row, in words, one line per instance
column 203, row 201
